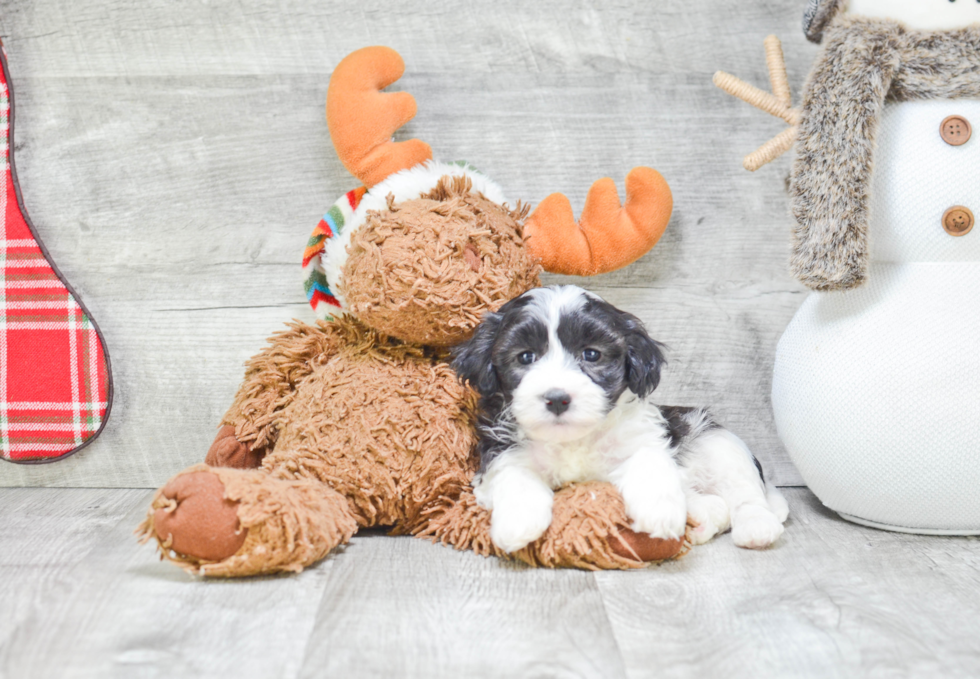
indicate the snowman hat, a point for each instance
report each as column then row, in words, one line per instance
column 817, row 15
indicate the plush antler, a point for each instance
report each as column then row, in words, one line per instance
column 779, row 105
column 362, row 119
column 608, row 236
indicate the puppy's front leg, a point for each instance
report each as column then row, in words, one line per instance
column 520, row 504
column 652, row 489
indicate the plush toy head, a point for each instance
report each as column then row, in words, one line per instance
column 428, row 251
column 447, row 258
column 427, row 247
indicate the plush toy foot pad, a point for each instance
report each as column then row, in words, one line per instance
column 194, row 518
column 630, row 544
column 227, row 522
column 55, row 386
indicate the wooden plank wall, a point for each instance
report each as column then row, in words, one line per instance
column 174, row 158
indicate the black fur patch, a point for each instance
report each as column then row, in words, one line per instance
column 630, row 359
column 758, row 465
column 678, row 428
column 489, row 362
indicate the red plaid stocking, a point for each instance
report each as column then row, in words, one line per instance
column 55, row 386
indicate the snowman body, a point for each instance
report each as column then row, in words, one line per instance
column 876, row 390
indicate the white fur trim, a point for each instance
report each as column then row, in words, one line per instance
column 404, row 185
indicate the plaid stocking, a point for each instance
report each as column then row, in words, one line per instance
column 55, row 386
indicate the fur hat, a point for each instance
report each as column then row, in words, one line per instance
column 816, row 17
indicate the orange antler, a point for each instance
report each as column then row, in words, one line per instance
column 362, row 118
column 608, row 236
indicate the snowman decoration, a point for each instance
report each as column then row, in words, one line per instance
column 876, row 385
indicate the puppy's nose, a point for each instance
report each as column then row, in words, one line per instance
column 557, row 401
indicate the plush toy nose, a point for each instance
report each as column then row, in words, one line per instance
column 557, row 401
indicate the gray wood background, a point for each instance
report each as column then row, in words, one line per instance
column 81, row 599
column 174, row 157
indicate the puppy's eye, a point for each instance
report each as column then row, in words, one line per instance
column 526, row 358
column 591, row 355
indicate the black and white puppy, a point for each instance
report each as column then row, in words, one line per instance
column 565, row 379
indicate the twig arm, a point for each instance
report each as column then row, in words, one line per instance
column 751, row 94
column 778, row 104
column 771, row 150
column 776, row 64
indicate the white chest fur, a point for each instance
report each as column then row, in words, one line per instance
column 632, row 423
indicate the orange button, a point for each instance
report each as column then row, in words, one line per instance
column 958, row 220
column 955, row 130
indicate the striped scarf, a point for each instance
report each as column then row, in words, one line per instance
column 318, row 292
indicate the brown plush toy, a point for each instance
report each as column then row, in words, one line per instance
column 359, row 420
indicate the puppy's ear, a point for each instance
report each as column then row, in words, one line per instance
column 471, row 359
column 644, row 358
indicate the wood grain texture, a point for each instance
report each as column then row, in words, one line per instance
column 81, row 599
column 831, row 599
column 44, row 536
column 174, row 163
column 120, row 612
column 397, row 607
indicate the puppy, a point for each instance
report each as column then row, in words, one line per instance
column 565, row 380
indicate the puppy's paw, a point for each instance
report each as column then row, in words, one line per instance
column 519, row 521
column 661, row 515
column 710, row 513
column 755, row 527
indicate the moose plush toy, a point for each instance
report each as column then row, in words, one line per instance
column 359, row 420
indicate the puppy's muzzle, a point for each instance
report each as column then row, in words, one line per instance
column 557, row 401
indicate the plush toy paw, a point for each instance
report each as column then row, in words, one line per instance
column 755, row 527
column 588, row 530
column 192, row 517
column 632, row 545
column 234, row 522
column 710, row 515
column 228, row 451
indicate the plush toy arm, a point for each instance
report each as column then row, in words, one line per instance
column 608, row 236
column 271, row 377
column 830, row 182
column 589, row 530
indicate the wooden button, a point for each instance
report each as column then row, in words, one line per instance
column 958, row 220
column 955, row 130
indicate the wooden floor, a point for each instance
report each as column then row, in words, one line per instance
column 80, row 598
